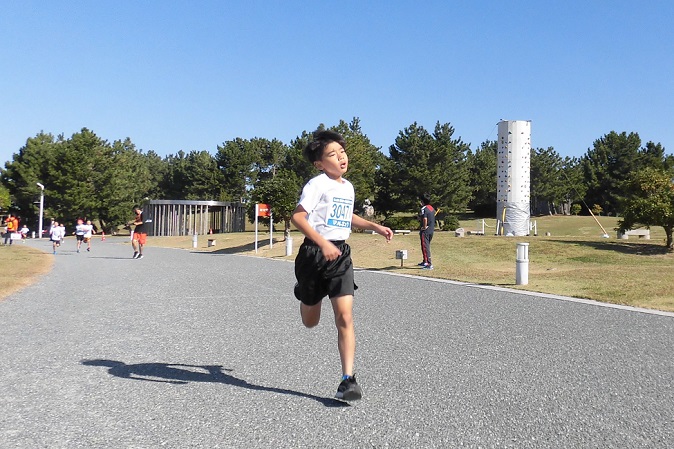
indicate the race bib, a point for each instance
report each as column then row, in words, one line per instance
column 340, row 213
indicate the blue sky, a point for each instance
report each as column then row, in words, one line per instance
column 190, row 75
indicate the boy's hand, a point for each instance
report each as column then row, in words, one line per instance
column 330, row 251
column 386, row 232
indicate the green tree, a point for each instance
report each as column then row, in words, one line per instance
column 269, row 156
column 237, row 161
column 202, row 178
column 650, row 203
column 5, row 200
column 483, row 179
column 364, row 160
column 175, row 183
column 126, row 182
column 421, row 162
column 295, row 161
column 574, row 186
column 549, row 193
column 28, row 167
column 281, row 192
column 157, row 169
column 606, row 167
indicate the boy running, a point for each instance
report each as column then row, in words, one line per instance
column 323, row 265
column 80, row 230
column 55, row 235
column 139, row 237
column 88, row 231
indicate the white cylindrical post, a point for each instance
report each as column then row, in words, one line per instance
column 522, row 264
column 194, row 240
column 289, row 246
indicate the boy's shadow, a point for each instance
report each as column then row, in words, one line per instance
column 180, row 374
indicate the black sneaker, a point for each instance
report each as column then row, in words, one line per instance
column 135, row 255
column 140, row 256
column 349, row 390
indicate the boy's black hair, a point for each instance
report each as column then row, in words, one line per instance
column 425, row 198
column 321, row 139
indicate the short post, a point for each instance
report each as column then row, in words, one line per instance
column 194, row 240
column 402, row 255
column 289, row 246
column 522, row 262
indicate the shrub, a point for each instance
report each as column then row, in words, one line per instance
column 448, row 222
column 409, row 222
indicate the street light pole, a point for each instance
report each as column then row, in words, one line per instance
column 39, row 227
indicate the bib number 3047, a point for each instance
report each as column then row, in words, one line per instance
column 340, row 213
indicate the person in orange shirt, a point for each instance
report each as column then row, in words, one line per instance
column 12, row 226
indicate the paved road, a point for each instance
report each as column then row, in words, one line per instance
column 186, row 349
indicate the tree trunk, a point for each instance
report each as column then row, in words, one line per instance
column 670, row 242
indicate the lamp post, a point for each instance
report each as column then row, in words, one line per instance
column 39, row 226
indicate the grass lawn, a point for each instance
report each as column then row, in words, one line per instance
column 22, row 265
column 574, row 260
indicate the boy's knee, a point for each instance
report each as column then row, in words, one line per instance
column 309, row 323
column 311, row 315
column 344, row 319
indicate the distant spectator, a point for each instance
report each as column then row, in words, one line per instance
column 24, row 232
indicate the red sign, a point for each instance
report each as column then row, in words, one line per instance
column 263, row 210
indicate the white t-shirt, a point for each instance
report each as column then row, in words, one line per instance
column 88, row 229
column 80, row 229
column 55, row 233
column 329, row 204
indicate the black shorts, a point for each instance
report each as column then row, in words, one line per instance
column 80, row 238
column 318, row 278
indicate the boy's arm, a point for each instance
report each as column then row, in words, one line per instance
column 299, row 219
column 362, row 223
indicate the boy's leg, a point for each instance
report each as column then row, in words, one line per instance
column 311, row 315
column 342, row 306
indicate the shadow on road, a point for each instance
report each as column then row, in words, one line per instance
column 246, row 248
column 180, row 374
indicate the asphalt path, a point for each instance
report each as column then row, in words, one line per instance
column 197, row 349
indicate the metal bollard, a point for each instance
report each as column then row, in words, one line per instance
column 194, row 240
column 522, row 262
column 289, row 246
